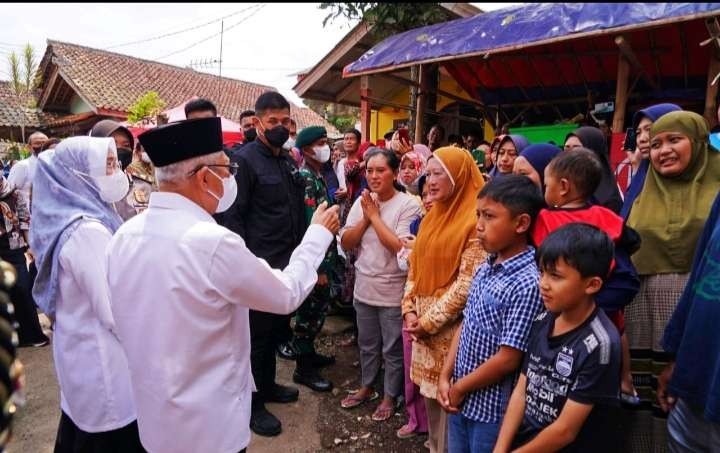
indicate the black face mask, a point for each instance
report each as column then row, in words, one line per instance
column 37, row 150
column 250, row 135
column 125, row 157
column 277, row 136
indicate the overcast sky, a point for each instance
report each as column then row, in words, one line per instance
column 262, row 43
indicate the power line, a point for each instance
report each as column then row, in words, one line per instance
column 260, row 69
column 258, row 8
column 155, row 38
column 186, row 23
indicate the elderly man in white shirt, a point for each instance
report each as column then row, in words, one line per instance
column 22, row 173
column 181, row 287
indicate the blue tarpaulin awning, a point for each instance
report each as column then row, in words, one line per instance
column 519, row 27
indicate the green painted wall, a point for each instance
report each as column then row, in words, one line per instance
column 543, row 134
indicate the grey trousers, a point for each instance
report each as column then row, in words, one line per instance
column 380, row 337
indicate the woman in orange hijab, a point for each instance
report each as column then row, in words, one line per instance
column 445, row 257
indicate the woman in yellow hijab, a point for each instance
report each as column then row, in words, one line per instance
column 445, row 257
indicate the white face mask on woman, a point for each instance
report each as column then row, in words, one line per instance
column 112, row 188
column 229, row 193
column 145, row 158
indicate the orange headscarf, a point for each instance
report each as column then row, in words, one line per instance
column 445, row 231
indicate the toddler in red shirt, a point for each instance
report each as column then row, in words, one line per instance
column 570, row 181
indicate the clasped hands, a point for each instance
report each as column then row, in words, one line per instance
column 450, row 396
column 370, row 206
column 413, row 327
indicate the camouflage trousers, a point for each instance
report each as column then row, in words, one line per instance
column 309, row 319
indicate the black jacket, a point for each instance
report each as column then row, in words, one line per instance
column 268, row 211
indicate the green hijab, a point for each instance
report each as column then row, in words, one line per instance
column 670, row 213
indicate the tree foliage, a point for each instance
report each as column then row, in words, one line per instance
column 30, row 65
column 147, row 106
column 23, row 69
column 15, row 76
column 16, row 151
column 342, row 122
column 340, row 116
column 388, row 18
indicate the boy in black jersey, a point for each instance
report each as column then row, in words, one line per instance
column 571, row 372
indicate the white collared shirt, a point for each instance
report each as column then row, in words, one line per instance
column 182, row 287
column 92, row 370
column 22, row 173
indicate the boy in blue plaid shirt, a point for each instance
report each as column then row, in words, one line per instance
column 477, row 381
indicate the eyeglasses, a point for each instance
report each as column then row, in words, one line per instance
column 112, row 166
column 232, row 168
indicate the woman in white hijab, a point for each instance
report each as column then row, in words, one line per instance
column 74, row 188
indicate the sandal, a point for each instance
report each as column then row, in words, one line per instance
column 346, row 343
column 352, row 400
column 405, row 432
column 383, row 413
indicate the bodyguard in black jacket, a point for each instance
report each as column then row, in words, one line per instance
column 268, row 214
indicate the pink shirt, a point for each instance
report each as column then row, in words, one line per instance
column 379, row 281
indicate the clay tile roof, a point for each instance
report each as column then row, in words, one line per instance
column 113, row 81
column 15, row 110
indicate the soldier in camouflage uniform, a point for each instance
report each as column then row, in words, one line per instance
column 309, row 318
column 142, row 184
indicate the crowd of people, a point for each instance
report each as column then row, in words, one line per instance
column 510, row 296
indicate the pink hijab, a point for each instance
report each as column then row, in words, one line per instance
column 417, row 160
column 423, row 151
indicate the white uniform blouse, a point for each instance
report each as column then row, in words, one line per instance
column 181, row 288
column 92, row 370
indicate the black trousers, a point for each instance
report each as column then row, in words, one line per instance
column 21, row 296
column 71, row 439
column 267, row 330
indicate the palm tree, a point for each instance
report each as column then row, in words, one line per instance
column 24, row 79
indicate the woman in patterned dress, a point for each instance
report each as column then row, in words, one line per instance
column 445, row 257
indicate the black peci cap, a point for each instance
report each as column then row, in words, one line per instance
column 182, row 140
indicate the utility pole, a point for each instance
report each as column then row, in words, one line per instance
column 222, row 28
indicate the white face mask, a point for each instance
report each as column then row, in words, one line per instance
column 112, row 188
column 145, row 158
column 322, row 153
column 287, row 146
column 229, row 193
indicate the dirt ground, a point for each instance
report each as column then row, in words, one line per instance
column 315, row 423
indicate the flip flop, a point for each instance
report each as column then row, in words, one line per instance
column 352, row 401
column 383, row 413
column 405, row 432
column 632, row 400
